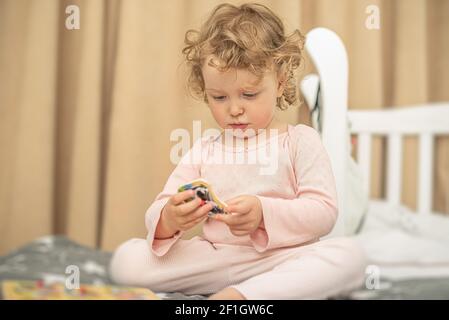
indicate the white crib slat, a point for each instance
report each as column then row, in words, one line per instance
column 433, row 117
column 394, row 169
column 425, row 181
column 364, row 159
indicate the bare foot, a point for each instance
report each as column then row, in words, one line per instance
column 227, row 294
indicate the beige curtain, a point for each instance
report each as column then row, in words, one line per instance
column 86, row 115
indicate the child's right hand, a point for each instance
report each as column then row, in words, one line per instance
column 180, row 216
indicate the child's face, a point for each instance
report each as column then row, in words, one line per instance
column 235, row 98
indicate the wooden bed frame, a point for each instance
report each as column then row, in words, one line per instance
column 326, row 93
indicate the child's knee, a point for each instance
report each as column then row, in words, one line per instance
column 353, row 257
column 345, row 253
column 128, row 261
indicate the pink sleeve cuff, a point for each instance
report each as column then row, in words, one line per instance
column 159, row 247
column 259, row 237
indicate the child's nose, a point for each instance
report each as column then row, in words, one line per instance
column 235, row 110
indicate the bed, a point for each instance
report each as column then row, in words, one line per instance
column 408, row 251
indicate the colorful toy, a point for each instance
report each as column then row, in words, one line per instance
column 203, row 190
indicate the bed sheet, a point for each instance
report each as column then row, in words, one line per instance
column 408, row 253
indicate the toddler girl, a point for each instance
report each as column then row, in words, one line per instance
column 268, row 245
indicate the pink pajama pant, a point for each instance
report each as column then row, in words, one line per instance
column 319, row 270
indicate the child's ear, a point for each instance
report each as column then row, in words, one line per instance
column 281, row 86
column 281, row 78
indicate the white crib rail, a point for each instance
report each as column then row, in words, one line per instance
column 328, row 54
column 424, row 121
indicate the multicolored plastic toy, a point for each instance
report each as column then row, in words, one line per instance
column 203, row 190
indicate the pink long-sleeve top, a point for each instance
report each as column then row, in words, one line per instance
column 291, row 176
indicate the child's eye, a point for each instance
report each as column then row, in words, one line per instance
column 250, row 95
column 246, row 95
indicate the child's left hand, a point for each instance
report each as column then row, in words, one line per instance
column 245, row 215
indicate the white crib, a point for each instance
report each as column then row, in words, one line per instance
column 406, row 249
column 326, row 94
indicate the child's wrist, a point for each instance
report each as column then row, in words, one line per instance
column 163, row 229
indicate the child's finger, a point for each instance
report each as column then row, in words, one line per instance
column 202, row 211
column 190, row 206
column 232, row 219
column 234, row 200
column 181, row 197
column 199, row 215
column 243, row 227
column 238, row 208
column 193, row 223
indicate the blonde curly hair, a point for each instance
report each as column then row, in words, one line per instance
column 249, row 37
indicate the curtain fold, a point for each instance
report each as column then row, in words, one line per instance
column 28, row 46
column 78, row 117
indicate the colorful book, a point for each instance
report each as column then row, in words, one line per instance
column 39, row 290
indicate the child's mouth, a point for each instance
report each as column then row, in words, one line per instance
column 239, row 126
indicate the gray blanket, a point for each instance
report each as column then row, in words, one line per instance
column 47, row 258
